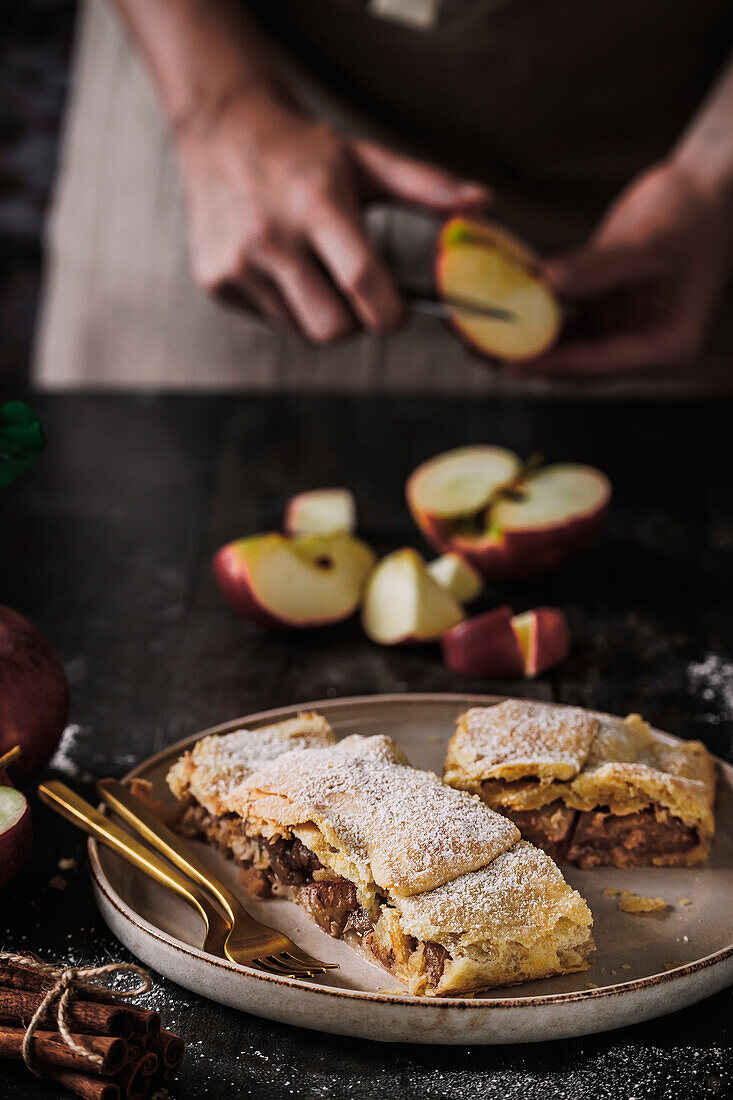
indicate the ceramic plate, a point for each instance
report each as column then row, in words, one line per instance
column 644, row 966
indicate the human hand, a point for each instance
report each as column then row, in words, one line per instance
column 647, row 283
column 275, row 215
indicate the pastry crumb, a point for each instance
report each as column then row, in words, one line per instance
column 58, row 882
column 685, row 901
column 626, row 966
column 591, row 985
column 611, row 892
column 67, row 864
column 637, row 903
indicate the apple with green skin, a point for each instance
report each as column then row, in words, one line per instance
column 507, row 520
column 481, row 263
column 34, row 694
column 16, row 830
column 503, row 645
column 321, row 512
column 404, row 604
column 299, row 582
column 456, row 576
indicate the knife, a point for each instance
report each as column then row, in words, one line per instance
column 446, row 307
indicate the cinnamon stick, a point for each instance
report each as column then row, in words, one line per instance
column 50, row 1050
column 135, row 1079
column 171, row 1049
column 93, row 1017
column 84, row 1085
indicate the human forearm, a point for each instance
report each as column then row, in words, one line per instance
column 203, row 54
column 705, row 150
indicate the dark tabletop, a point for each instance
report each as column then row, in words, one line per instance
column 107, row 545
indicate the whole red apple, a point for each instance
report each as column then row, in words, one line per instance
column 34, row 694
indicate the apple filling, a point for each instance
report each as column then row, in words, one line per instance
column 284, row 867
column 599, row 837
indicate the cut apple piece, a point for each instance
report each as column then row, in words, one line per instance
column 544, row 639
column 484, row 646
column 480, row 263
column 16, row 833
column 460, row 482
column 516, row 526
column 321, row 512
column 300, row 582
column 403, row 603
column 457, row 577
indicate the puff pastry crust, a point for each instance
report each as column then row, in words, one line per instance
column 424, row 878
column 588, row 787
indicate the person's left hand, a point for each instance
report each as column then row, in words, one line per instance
column 648, row 281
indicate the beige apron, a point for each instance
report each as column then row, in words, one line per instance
column 491, row 89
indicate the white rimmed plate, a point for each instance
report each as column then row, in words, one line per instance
column 644, row 966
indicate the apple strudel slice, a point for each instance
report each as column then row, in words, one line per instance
column 587, row 787
column 423, row 879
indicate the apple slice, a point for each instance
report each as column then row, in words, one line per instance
column 479, row 262
column 321, row 512
column 484, row 646
column 403, row 603
column 543, row 637
column 299, row 582
column 524, row 521
column 16, row 832
column 457, row 577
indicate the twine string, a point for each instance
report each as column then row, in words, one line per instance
column 69, row 981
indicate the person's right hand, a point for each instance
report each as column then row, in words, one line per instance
column 275, row 215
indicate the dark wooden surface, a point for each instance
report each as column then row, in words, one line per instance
column 106, row 546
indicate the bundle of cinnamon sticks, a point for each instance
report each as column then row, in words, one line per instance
column 136, row 1057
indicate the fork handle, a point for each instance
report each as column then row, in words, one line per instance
column 142, row 819
column 82, row 814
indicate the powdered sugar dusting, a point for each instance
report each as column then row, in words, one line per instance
column 64, row 759
column 413, row 831
column 520, row 896
column 527, row 734
column 712, row 680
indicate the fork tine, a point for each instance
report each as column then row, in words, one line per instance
column 273, row 962
column 308, row 960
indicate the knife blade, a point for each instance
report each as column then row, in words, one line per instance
column 446, row 307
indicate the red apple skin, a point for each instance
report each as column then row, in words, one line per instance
column 15, row 846
column 34, row 695
column 550, row 642
column 484, row 646
column 232, row 576
column 515, row 555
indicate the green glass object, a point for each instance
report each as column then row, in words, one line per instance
column 21, row 440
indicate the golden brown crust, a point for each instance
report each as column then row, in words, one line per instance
column 626, row 768
column 414, row 852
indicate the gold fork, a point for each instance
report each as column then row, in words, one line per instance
column 82, row 814
column 248, row 940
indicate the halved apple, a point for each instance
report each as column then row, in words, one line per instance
column 457, row 577
column 481, row 263
column 502, row 645
column 16, row 830
column 321, row 512
column 544, row 639
column 505, row 520
column 403, row 603
column 298, row 582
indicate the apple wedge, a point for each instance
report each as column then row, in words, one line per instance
column 502, row 645
column 300, row 582
column 543, row 637
column 403, row 603
column 321, row 512
column 484, row 646
column 457, row 577
column 506, row 520
column 481, row 263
